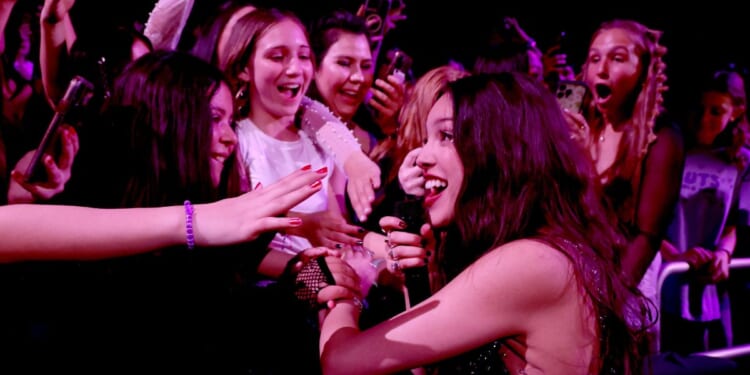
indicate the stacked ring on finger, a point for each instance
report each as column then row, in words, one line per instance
column 388, row 240
column 395, row 267
column 392, row 255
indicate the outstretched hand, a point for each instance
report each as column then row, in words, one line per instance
column 347, row 281
column 363, row 179
column 244, row 218
column 327, row 228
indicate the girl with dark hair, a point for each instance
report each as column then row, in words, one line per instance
column 165, row 138
column 527, row 245
column 186, row 144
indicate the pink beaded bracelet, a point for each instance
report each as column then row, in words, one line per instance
column 190, row 237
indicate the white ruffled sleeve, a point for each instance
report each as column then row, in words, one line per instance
column 328, row 131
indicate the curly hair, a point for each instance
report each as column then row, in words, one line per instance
column 646, row 101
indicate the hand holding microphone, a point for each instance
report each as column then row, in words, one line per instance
column 404, row 247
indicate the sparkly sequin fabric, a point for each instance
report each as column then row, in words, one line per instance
column 484, row 360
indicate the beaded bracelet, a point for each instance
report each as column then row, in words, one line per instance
column 190, row 237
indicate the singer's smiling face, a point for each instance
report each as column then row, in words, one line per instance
column 441, row 164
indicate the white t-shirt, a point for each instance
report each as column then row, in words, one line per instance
column 268, row 159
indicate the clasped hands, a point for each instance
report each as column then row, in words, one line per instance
column 709, row 266
column 358, row 269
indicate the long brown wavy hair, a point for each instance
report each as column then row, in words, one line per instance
column 526, row 178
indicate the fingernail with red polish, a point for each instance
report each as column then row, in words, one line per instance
column 306, row 167
column 322, row 170
column 295, row 221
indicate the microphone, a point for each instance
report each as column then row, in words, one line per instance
column 78, row 92
column 417, row 279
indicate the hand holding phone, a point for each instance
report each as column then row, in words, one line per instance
column 78, row 92
column 58, row 172
column 387, row 95
column 572, row 95
column 397, row 64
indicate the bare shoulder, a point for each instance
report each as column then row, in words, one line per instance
column 669, row 140
column 529, row 251
column 527, row 262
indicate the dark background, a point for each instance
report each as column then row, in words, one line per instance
column 700, row 38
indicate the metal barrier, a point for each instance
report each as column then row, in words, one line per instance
column 674, row 268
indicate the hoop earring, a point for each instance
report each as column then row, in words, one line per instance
column 242, row 100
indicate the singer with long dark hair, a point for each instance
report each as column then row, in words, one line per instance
column 530, row 256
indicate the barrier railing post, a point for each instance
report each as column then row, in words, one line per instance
column 674, row 268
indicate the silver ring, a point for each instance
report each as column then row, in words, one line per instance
column 395, row 267
column 358, row 303
column 392, row 255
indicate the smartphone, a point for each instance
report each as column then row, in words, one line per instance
column 397, row 64
column 572, row 95
column 77, row 94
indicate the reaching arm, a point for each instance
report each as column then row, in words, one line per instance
column 660, row 188
column 57, row 37
column 47, row 232
column 6, row 8
column 487, row 301
column 41, row 232
column 328, row 131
